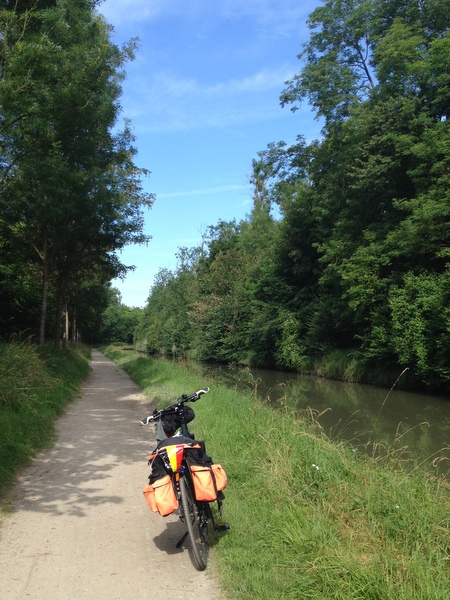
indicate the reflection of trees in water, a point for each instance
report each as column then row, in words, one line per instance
column 366, row 416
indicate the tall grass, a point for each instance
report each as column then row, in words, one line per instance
column 310, row 518
column 35, row 386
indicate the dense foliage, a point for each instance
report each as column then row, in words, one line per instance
column 117, row 322
column 356, row 261
column 70, row 193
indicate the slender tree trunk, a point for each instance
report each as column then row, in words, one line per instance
column 58, row 320
column 45, row 275
column 66, row 334
column 74, row 327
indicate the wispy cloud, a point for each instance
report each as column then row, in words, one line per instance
column 178, row 85
column 171, row 86
column 278, row 16
column 206, row 191
column 259, row 82
column 132, row 10
column 167, row 102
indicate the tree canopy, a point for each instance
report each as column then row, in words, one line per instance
column 71, row 195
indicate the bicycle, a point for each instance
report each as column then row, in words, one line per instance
column 176, row 479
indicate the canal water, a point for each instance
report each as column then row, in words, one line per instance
column 372, row 419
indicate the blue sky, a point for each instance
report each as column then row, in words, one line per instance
column 203, row 98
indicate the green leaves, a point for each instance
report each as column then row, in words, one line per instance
column 421, row 324
column 70, row 188
column 337, row 74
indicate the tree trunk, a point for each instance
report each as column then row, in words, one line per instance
column 66, row 334
column 58, row 320
column 74, row 327
column 45, row 275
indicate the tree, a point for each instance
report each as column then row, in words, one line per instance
column 421, row 324
column 165, row 324
column 338, row 72
column 118, row 321
column 71, row 190
column 378, row 73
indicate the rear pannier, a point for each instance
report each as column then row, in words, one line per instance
column 160, row 496
column 208, row 481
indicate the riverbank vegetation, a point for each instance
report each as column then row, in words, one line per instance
column 35, row 386
column 341, row 268
column 310, row 518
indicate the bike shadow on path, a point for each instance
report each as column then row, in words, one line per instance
column 167, row 540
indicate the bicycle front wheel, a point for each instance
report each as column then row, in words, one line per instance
column 197, row 525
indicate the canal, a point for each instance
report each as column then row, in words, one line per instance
column 370, row 418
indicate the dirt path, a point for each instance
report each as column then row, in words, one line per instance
column 80, row 528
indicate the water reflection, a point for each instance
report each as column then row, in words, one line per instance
column 361, row 414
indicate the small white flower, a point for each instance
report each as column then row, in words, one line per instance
column 397, row 506
column 315, row 467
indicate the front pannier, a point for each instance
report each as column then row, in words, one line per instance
column 208, row 481
column 160, row 496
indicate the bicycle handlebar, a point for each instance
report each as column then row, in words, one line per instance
column 173, row 409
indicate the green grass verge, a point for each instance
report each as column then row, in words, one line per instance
column 310, row 518
column 35, row 386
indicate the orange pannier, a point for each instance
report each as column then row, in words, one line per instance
column 160, row 496
column 208, row 481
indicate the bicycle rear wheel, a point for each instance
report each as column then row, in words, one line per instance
column 196, row 523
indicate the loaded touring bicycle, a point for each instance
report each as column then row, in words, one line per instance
column 183, row 477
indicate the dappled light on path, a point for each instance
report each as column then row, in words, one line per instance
column 80, row 528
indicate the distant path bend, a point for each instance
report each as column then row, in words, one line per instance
column 80, row 528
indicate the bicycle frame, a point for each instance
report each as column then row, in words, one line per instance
column 196, row 515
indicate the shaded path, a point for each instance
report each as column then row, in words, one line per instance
column 80, row 528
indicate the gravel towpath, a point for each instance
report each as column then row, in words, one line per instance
column 80, row 528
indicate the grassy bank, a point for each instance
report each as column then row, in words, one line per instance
column 310, row 519
column 34, row 389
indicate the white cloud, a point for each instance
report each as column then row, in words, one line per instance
column 259, row 82
column 165, row 93
column 168, row 87
column 120, row 11
column 278, row 16
column 201, row 192
column 168, row 102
